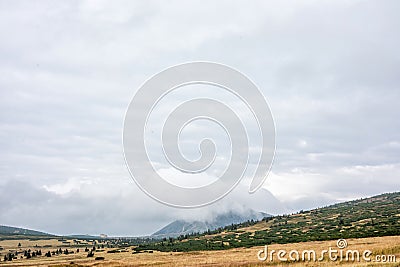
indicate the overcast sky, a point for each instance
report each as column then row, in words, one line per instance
column 330, row 71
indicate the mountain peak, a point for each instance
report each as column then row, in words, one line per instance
column 184, row 227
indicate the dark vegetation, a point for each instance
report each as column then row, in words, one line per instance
column 75, row 246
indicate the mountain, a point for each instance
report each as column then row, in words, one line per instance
column 78, row 236
column 182, row 227
column 369, row 217
column 8, row 230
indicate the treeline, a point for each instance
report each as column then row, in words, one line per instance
column 28, row 254
column 22, row 254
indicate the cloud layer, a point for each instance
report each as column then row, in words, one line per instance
column 329, row 69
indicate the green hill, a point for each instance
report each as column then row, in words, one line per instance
column 375, row 216
column 15, row 231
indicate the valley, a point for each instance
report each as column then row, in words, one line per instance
column 371, row 224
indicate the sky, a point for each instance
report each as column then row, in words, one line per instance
column 330, row 71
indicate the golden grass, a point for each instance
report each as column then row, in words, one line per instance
column 232, row 257
column 26, row 244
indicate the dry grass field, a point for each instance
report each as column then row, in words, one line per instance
column 233, row 257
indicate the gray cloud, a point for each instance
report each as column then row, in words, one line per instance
column 330, row 72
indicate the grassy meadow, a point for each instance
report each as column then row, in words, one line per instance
column 389, row 245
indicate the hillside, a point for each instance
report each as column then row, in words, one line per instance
column 8, row 230
column 371, row 217
column 182, row 227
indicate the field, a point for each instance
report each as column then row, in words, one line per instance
column 231, row 257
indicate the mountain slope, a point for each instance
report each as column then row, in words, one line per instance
column 8, row 230
column 182, row 227
column 371, row 217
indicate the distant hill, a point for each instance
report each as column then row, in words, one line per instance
column 369, row 217
column 84, row 237
column 8, row 230
column 182, row 227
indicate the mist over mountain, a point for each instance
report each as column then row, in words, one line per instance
column 183, row 227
